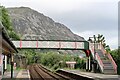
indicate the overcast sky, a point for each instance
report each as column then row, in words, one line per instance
column 83, row 17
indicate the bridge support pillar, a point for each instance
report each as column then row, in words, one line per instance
column 87, row 64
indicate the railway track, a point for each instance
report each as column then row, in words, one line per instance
column 40, row 73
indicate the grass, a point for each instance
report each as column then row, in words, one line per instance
column 8, row 67
column 17, row 68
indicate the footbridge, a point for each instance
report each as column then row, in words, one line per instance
column 95, row 52
column 53, row 44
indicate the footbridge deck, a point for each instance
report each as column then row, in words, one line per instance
column 53, row 44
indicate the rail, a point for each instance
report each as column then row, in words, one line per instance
column 99, row 61
column 113, row 62
column 110, row 57
column 100, row 46
column 103, row 50
column 40, row 73
column 92, row 48
column 48, row 71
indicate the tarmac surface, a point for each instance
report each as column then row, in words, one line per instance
column 21, row 74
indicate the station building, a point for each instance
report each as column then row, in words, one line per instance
column 7, row 50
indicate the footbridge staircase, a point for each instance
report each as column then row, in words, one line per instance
column 104, row 60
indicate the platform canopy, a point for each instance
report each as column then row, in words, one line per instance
column 6, row 45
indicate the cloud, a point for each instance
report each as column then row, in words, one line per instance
column 90, row 17
column 112, row 41
column 60, row 6
column 86, row 34
column 84, row 17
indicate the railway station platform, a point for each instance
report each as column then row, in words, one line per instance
column 22, row 74
column 94, row 76
column 7, row 74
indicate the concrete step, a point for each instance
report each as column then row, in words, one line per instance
column 108, row 67
column 109, row 71
column 104, row 58
column 108, row 64
column 99, row 51
column 106, row 61
column 101, row 56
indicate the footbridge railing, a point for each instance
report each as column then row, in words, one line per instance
column 94, row 54
column 53, row 44
column 93, row 47
column 110, row 58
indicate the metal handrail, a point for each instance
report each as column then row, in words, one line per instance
column 92, row 49
column 113, row 62
column 99, row 59
column 97, row 56
column 110, row 57
column 102, row 48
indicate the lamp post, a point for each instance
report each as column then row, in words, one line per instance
column 94, row 37
column 94, row 47
column 94, row 60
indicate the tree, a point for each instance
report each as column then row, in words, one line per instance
column 7, row 23
column 101, row 39
column 80, row 63
column 6, row 19
column 116, row 56
column 107, row 48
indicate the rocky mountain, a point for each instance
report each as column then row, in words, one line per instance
column 32, row 25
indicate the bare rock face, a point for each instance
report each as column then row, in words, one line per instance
column 33, row 25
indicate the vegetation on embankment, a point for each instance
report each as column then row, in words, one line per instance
column 116, row 56
column 7, row 23
column 53, row 60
